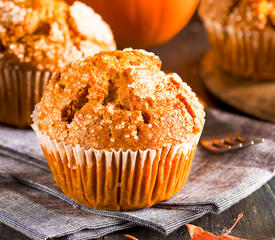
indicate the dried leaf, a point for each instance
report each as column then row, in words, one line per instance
column 130, row 237
column 197, row 233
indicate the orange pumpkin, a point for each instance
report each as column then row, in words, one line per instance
column 144, row 23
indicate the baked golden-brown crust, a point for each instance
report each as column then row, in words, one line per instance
column 45, row 35
column 119, row 100
column 255, row 14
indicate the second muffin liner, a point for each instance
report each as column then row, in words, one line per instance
column 118, row 180
column 20, row 91
column 243, row 51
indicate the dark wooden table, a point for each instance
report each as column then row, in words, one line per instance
column 183, row 55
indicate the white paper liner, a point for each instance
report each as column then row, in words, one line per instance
column 118, row 180
column 243, row 52
column 20, row 91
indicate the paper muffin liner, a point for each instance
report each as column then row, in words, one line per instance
column 20, row 91
column 118, row 180
column 242, row 51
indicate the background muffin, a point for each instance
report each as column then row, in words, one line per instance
column 242, row 35
column 37, row 38
column 123, row 122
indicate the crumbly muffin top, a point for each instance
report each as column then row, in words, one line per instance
column 256, row 14
column 45, row 35
column 119, row 100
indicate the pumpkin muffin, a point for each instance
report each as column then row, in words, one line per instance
column 117, row 132
column 39, row 37
column 242, row 35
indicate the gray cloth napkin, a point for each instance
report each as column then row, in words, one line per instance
column 31, row 203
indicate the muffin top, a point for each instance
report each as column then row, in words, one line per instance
column 255, row 14
column 45, row 35
column 119, row 100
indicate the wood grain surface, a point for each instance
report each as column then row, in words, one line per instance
column 183, row 55
column 256, row 98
